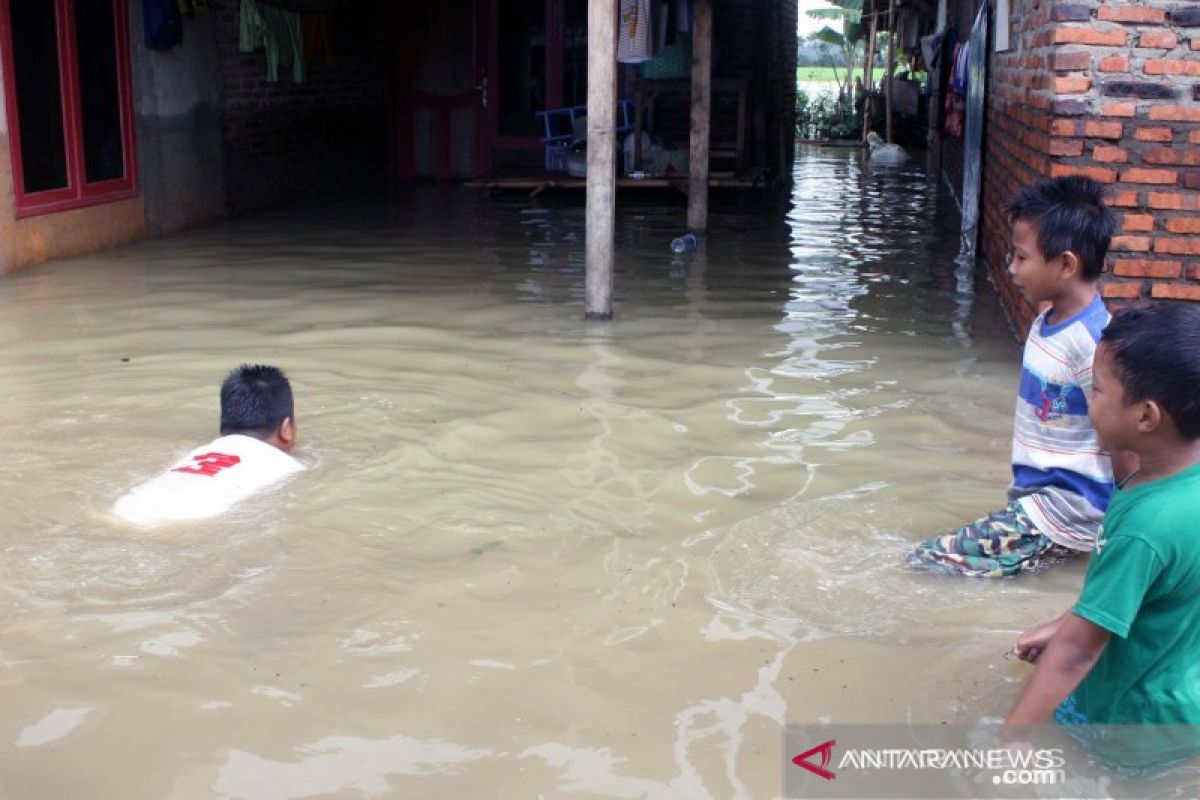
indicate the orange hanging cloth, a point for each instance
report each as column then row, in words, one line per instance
column 318, row 43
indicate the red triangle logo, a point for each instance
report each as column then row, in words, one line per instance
column 826, row 751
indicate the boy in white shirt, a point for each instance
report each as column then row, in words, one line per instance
column 258, row 430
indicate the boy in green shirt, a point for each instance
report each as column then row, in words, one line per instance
column 1128, row 653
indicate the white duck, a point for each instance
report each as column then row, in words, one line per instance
column 884, row 153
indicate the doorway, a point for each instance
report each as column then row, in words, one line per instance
column 532, row 56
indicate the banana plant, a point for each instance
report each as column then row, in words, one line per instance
column 847, row 15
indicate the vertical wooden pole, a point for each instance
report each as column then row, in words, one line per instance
column 601, row 157
column 891, row 71
column 702, row 34
column 869, row 73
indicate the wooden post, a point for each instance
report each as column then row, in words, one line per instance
column 869, row 74
column 702, row 33
column 601, row 157
column 891, row 72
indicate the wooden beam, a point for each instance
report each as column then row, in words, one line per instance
column 869, row 74
column 601, row 157
column 541, row 182
column 702, row 32
column 891, row 67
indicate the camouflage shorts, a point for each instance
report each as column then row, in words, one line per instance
column 1002, row 544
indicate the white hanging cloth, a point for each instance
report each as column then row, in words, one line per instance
column 633, row 32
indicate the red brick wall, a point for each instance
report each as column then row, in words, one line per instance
column 285, row 141
column 1018, row 145
column 1110, row 90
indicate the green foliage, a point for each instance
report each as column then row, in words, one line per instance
column 849, row 14
column 824, row 117
column 829, row 36
column 827, row 74
column 845, row 9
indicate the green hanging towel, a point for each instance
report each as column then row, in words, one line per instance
column 673, row 61
column 278, row 32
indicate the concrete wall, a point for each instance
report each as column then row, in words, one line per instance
column 177, row 113
column 30, row 241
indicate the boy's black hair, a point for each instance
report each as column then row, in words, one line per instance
column 255, row 400
column 1068, row 214
column 1156, row 351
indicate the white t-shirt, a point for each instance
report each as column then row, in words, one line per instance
column 208, row 481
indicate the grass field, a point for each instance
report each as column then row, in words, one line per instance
column 825, row 74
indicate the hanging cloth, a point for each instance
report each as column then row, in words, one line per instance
column 317, row 39
column 276, row 31
column 164, row 24
column 661, row 12
column 962, row 61
column 908, row 29
column 191, row 8
column 683, row 16
column 675, row 60
column 929, row 50
column 633, row 33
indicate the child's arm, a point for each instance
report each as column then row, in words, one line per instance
column 1124, row 464
column 1068, row 658
column 1032, row 643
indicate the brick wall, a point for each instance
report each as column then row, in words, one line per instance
column 781, row 19
column 1110, row 90
column 1018, row 144
column 285, row 141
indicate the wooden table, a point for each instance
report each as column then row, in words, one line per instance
column 646, row 92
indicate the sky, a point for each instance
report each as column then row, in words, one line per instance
column 807, row 24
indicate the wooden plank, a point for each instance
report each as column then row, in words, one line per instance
column 891, row 66
column 601, row 157
column 716, row 180
column 701, row 115
column 740, row 159
column 869, row 75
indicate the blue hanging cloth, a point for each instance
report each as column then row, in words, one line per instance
column 164, row 24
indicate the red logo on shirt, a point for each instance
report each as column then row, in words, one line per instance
column 209, row 464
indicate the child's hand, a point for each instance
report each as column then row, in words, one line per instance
column 1029, row 653
column 1032, row 643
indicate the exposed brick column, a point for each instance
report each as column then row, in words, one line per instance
column 1110, row 90
column 1020, row 143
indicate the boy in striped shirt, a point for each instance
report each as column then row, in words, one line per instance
column 1062, row 478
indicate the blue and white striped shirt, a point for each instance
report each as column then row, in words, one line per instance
column 1061, row 476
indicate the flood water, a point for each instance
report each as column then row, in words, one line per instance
column 534, row 557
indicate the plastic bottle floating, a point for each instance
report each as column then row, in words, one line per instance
column 684, row 244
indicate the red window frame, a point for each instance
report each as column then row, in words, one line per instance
column 78, row 192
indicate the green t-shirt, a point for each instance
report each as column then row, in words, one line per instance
column 1143, row 585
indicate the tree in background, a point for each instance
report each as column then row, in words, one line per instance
column 846, row 15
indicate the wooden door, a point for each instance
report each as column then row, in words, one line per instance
column 531, row 56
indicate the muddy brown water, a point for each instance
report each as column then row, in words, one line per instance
column 535, row 557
